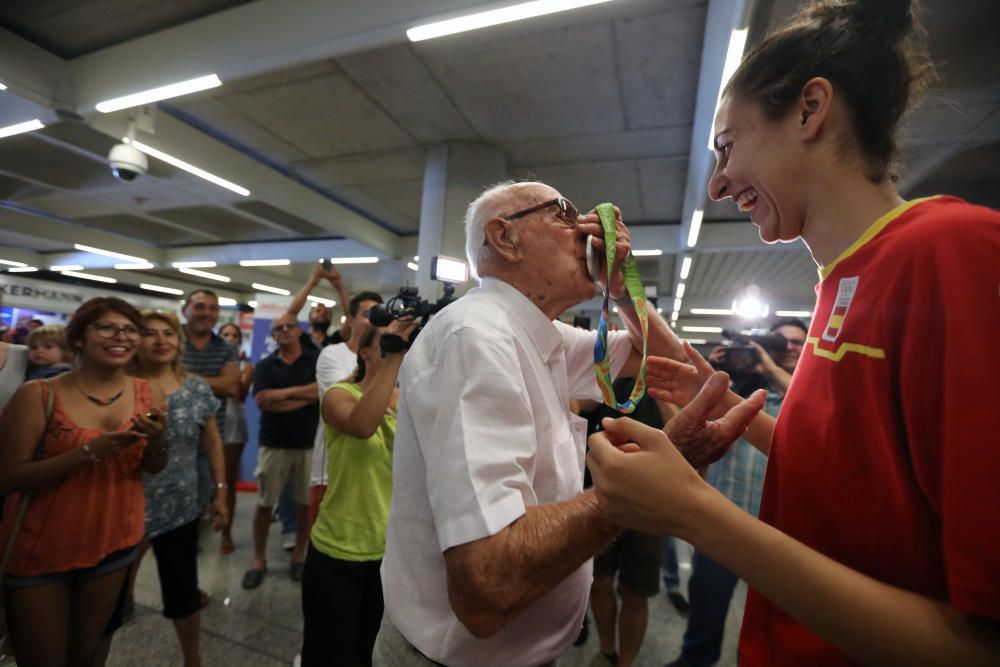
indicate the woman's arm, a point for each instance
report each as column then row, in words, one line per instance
column 361, row 418
column 211, row 444
column 246, row 379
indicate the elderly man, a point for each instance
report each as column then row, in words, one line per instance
column 490, row 538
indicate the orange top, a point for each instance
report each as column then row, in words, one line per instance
column 94, row 511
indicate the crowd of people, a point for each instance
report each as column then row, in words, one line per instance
column 435, row 485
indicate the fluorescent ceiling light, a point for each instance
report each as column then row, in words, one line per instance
column 10, row 263
column 226, row 301
column 161, row 288
column 677, row 304
column 686, row 268
column 711, row 311
column 134, row 267
column 695, row 227
column 702, row 329
column 329, row 303
column 412, row 266
column 695, row 341
column 191, row 169
column 252, row 304
column 22, row 269
column 493, row 17
column 205, row 274
column 268, row 288
column 647, row 253
column 28, row 126
column 88, row 276
column 3, row 87
column 659, row 310
column 107, row 253
column 354, row 260
column 161, row 93
column 680, row 291
column 66, row 267
column 265, row 262
column 194, row 265
column 793, row 313
column 734, row 54
column 416, row 258
column 674, row 315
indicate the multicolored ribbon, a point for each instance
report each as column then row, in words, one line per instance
column 633, row 283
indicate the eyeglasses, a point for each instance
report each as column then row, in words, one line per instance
column 108, row 330
column 567, row 211
column 280, row 328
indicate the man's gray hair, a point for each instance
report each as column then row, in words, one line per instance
column 481, row 210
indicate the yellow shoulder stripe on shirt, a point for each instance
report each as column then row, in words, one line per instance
column 844, row 348
column 871, row 232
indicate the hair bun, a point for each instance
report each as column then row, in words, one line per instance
column 892, row 17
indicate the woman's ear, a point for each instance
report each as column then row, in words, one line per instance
column 814, row 106
column 503, row 238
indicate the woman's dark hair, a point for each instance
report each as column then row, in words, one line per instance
column 366, row 340
column 874, row 52
column 239, row 332
column 93, row 310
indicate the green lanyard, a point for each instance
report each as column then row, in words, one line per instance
column 633, row 283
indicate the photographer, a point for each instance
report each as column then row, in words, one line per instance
column 739, row 475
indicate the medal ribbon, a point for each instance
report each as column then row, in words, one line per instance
column 633, row 283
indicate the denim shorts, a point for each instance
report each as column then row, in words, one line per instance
column 113, row 561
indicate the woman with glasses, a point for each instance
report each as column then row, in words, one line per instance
column 65, row 579
column 172, row 508
column 342, row 600
column 235, row 435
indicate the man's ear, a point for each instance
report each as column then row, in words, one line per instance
column 503, row 238
column 814, row 106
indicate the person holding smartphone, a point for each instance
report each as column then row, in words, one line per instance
column 65, row 580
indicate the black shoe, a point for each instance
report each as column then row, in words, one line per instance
column 679, row 602
column 253, row 578
column 584, row 633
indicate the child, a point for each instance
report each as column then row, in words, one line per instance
column 48, row 352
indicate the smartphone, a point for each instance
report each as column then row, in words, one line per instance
column 327, row 264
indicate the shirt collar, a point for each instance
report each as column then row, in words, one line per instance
column 542, row 332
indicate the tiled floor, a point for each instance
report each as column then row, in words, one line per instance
column 263, row 627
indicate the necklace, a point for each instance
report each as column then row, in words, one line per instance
column 102, row 402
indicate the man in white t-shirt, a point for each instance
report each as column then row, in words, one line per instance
column 490, row 537
column 337, row 362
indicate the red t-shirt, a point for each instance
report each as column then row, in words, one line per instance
column 886, row 456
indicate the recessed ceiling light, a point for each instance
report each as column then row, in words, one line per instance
column 88, row 276
column 695, row 227
column 161, row 93
column 702, row 329
column 191, row 169
column 161, row 288
column 647, row 253
column 205, row 274
column 412, row 266
column 265, row 262
column 686, row 268
column 525, row 10
column 108, row 253
column 680, row 291
column 27, row 126
column 194, row 265
column 268, row 288
column 226, row 301
column 354, row 260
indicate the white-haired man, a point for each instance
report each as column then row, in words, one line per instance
column 490, row 538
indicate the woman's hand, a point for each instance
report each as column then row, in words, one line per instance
column 112, row 443
column 220, row 511
column 152, row 426
column 676, row 382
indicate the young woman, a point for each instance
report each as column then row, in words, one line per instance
column 235, row 436
column 86, row 515
column 879, row 539
column 172, row 496
column 341, row 587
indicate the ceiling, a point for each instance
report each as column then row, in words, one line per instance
column 327, row 112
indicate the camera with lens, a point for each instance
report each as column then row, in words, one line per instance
column 127, row 162
column 740, row 359
column 407, row 305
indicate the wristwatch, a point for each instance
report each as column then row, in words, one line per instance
column 222, row 485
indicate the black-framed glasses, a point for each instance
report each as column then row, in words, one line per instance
column 281, row 328
column 567, row 211
column 108, row 330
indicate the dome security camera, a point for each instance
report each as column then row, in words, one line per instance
column 127, row 162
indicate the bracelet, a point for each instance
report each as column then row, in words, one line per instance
column 90, row 453
column 625, row 300
column 222, row 485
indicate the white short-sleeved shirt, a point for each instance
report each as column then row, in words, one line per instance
column 484, row 431
column 335, row 363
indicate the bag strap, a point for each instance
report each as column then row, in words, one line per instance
column 50, row 403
